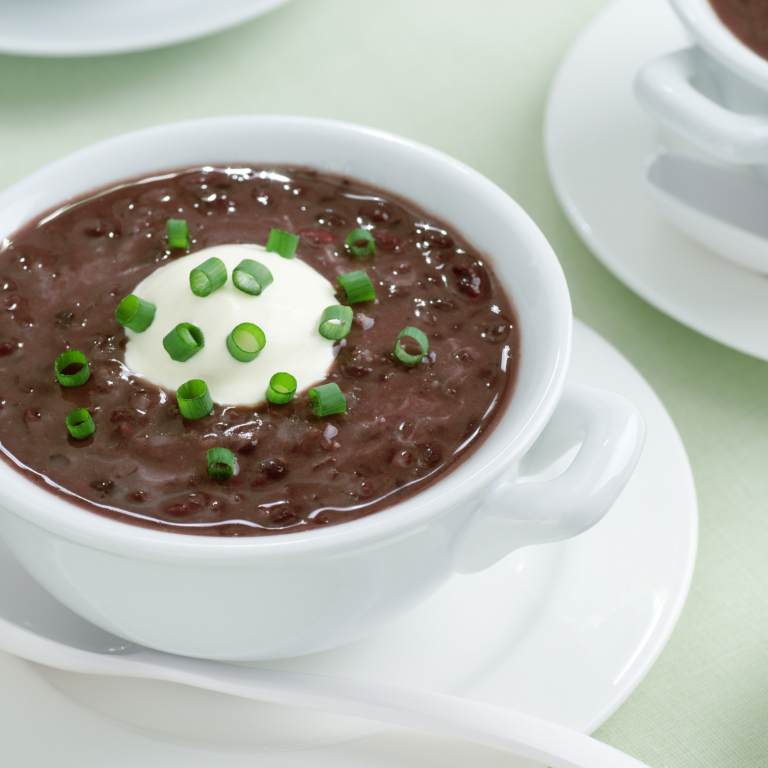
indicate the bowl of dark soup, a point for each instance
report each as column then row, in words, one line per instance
column 269, row 382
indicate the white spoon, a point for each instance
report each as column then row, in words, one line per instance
column 35, row 626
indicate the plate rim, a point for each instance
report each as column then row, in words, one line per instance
column 652, row 651
column 205, row 26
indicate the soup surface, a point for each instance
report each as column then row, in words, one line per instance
column 62, row 277
column 748, row 20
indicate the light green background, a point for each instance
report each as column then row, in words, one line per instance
column 471, row 79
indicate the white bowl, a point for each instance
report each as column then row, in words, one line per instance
column 720, row 43
column 714, row 95
column 711, row 101
column 285, row 595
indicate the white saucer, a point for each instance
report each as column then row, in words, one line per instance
column 598, row 141
column 95, row 27
column 596, row 612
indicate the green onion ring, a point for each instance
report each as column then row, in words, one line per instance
column 419, row 337
column 72, row 358
column 221, row 463
column 80, row 424
column 251, row 277
column 357, row 286
column 245, row 342
column 282, row 388
column 361, row 243
column 178, row 233
column 327, row 399
column 208, row 277
column 194, row 399
column 184, row 341
column 283, row 243
column 335, row 322
column 135, row 313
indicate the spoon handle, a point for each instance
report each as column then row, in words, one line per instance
column 492, row 726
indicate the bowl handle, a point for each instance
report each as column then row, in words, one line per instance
column 516, row 513
column 663, row 87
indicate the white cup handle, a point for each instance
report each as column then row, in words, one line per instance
column 663, row 87
column 515, row 514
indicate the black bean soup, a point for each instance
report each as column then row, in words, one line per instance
column 63, row 275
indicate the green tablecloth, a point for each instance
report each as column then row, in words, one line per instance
column 471, row 79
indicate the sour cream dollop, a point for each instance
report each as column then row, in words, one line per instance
column 288, row 311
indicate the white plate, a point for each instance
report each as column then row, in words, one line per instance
column 94, row 27
column 598, row 141
column 607, row 603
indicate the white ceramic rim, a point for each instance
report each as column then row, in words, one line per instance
column 153, row 36
column 720, row 43
column 470, row 480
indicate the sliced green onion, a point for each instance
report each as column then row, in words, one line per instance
column 178, row 233
column 327, row 399
column 72, row 368
column 184, row 341
column 419, row 337
column 360, row 242
column 245, row 342
column 135, row 313
column 208, row 277
column 335, row 322
column 80, row 424
column 357, row 286
column 194, row 399
column 283, row 243
column 221, row 463
column 282, row 388
column 251, row 277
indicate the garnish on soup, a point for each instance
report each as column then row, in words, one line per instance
column 300, row 393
